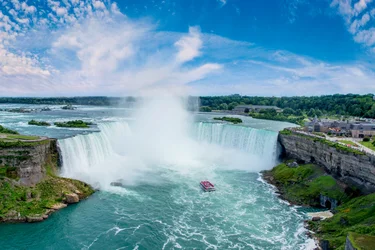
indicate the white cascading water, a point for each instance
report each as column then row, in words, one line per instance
column 255, row 141
column 164, row 141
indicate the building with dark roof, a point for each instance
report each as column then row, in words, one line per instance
column 254, row 108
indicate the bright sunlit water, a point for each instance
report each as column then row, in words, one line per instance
column 160, row 160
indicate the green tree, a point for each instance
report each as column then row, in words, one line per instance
column 299, row 112
column 205, row 109
column 311, row 113
column 371, row 112
column 232, row 105
column 318, row 113
column 223, row 106
column 288, row 111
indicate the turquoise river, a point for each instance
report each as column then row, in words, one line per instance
column 159, row 161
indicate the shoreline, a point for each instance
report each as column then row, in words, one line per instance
column 312, row 242
column 47, row 197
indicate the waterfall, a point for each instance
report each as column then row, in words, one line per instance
column 118, row 151
column 255, row 141
column 80, row 153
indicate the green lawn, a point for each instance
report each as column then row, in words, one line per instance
column 348, row 142
column 19, row 137
column 368, row 144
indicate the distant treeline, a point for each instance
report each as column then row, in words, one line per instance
column 350, row 104
column 85, row 100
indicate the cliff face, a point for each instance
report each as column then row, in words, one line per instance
column 27, row 163
column 30, row 190
column 351, row 168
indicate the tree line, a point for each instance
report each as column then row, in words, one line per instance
column 350, row 104
column 84, row 100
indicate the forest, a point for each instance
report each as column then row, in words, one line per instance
column 350, row 104
column 338, row 104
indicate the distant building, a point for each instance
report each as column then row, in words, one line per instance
column 254, row 108
column 354, row 129
column 363, row 130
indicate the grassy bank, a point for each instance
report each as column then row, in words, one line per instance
column 33, row 203
column 304, row 184
column 355, row 216
column 368, row 144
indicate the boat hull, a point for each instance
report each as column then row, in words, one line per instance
column 207, row 189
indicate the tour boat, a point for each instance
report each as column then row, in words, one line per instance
column 207, row 186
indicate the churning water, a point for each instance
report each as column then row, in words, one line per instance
column 160, row 204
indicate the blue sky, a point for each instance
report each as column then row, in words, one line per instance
column 197, row 47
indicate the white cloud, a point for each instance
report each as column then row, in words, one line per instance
column 28, row 9
column 366, row 36
column 12, row 64
column 98, row 5
column 91, row 50
column 361, row 5
column 189, row 46
column 357, row 25
column 222, row 2
column 114, row 8
column 61, row 11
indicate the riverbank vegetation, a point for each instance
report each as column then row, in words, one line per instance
column 303, row 185
column 229, row 119
column 7, row 131
column 271, row 114
column 73, row 124
column 20, row 203
column 355, row 216
column 39, row 123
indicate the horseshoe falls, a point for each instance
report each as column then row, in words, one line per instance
column 156, row 202
column 160, row 205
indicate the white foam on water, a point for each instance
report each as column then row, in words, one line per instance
column 168, row 147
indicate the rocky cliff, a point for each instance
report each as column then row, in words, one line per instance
column 349, row 166
column 27, row 161
column 30, row 190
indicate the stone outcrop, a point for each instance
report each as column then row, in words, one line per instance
column 28, row 175
column 26, row 163
column 71, row 198
column 351, row 168
column 328, row 202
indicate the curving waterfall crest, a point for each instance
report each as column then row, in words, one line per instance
column 117, row 152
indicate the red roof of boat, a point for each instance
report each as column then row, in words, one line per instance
column 207, row 184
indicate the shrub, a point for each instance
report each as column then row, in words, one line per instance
column 38, row 123
column 7, row 131
column 205, row 109
column 229, row 119
column 366, row 139
column 73, row 124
